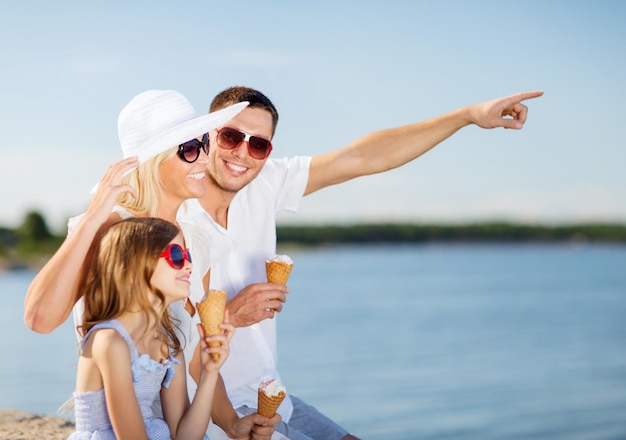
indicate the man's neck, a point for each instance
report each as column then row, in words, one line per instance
column 216, row 203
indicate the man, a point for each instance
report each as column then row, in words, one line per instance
column 237, row 220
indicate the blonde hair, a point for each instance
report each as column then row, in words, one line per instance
column 118, row 277
column 147, row 182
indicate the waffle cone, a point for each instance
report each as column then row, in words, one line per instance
column 268, row 405
column 211, row 311
column 277, row 271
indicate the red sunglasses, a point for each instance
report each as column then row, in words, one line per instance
column 176, row 256
column 230, row 138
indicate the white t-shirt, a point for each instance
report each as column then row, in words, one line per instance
column 237, row 259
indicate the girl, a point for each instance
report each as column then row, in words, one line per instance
column 130, row 351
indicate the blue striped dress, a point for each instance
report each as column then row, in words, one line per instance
column 90, row 409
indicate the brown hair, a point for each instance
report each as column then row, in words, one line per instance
column 118, row 278
column 236, row 94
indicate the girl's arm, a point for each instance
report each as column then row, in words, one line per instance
column 191, row 421
column 111, row 354
column 54, row 291
column 225, row 416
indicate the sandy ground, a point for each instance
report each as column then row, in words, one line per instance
column 20, row 425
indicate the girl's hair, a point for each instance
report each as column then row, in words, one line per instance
column 147, row 182
column 118, row 276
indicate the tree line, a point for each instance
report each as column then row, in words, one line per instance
column 484, row 232
column 32, row 243
column 29, row 244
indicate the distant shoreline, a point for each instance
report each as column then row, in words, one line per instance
column 14, row 257
column 484, row 232
column 23, row 264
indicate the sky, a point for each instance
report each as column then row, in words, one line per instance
column 336, row 70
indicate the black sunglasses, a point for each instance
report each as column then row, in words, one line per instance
column 230, row 138
column 190, row 150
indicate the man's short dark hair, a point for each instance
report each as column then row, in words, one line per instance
column 236, row 94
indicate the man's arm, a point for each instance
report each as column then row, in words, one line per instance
column 388, row 149
column 256, row 302
column 54, row 290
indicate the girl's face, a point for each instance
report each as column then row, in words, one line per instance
column 173, row 281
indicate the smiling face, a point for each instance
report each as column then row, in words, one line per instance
column 173, row 283
column 231, row 170
column 181, row 180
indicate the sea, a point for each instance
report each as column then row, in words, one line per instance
column 428, row 341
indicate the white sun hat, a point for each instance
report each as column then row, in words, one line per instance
column 157, row 120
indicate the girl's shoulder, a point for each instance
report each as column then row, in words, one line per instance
column 106, row 342
column 110, row 338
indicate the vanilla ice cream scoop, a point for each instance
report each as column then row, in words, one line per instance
column 278, row 268
column 271, row 394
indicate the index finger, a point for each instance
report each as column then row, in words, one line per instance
column 113, row 175
column 522, row 96
column 118, row 169
column 273, row 286
column 124, row 166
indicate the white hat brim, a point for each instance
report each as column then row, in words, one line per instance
column 186, row 131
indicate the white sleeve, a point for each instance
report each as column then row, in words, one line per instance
column 288, row 179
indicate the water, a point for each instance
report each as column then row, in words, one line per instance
column 418, row 342
column 37, row 372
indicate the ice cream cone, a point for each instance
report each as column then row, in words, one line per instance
column 278, row 269
column 271, row 395
column 211, row 311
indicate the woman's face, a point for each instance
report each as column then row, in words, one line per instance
column 181, row 180
column 171, row 275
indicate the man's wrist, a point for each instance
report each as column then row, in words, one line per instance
column 232, row 317
column 229, row 425
column 234, row 430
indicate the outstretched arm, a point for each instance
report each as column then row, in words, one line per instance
column 54, row 290
column 388, row 149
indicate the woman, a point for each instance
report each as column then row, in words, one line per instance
column 165, row 147
column 162, row 140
